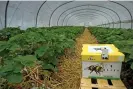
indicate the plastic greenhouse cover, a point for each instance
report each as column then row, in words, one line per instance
column 53, row 13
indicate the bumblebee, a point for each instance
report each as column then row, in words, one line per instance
column 96, row 68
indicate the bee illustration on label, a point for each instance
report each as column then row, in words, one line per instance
column 96, row 68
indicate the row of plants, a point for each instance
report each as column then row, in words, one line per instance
column 123, row 39
column 6, row 33
column 27, row 57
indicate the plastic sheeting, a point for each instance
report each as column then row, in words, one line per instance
column 26, row 14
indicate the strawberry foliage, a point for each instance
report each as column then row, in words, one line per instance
column 35, row 45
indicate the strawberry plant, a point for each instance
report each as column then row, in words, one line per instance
column 27, row 54
column 6, row 33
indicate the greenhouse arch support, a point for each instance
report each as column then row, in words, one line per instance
column 38, row 12
column 87, row 14
column 96, row 6
column 56, row 9
column 6, row 13
column 87, row 10
column 127, row 10
column 80, row 15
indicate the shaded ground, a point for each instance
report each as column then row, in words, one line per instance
column 69, row 73
column 127, row 75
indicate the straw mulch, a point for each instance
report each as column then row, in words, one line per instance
column 69, row 74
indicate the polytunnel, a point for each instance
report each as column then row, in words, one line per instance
column 67, row 44
column 31, row 14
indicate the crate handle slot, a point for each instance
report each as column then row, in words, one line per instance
column 93, row 81
column 94, row 88
column 109, row 82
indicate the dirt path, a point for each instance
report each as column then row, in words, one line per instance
column 69, row 73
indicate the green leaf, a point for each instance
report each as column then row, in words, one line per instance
column 41, row 51
column 14, row 47
column 2, row 72
column 11, row 66
column 28, row 60
column 18, row 68
column 48, row 66
column 132, row 66
column 7, row 68
column 127, row 59
column 129, row 42
column 3, row 45
column 53, row 60
column 14, row 78
column 4, row 53
column 126, row 50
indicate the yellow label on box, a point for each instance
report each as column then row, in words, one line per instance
column 93, row 52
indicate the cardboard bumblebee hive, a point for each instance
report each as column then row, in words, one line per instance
column 101, row 61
